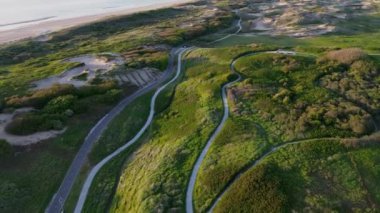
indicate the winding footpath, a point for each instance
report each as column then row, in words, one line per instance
column 193, row 177
column 229, row 35
column 191, row 185
column 95, row 170
column 196, row 167
column 58, row 200
column 272, row 150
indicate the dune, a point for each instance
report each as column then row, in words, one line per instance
column 49, row 26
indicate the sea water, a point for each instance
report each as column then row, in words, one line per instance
column 19, row 13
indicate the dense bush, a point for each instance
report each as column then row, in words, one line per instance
column 346, row 56
column 30, row 123
column 101, row 88
column 232, row 77
column 110, row 97
column 60, row 104
column 5, row 148
column 307, row 98
column 363, row 69
column 40, row 97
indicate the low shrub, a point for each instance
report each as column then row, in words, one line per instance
column 346, row 56
column 5, row 148
column 40, row 97
column 232, row 77
column 110, row 97
column 30, row 123
column 60, row 104
column 102, row 88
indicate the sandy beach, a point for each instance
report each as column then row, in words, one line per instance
column 47, row 27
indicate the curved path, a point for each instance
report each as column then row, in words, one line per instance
column 58, row 200
column 193, row 177
column 271, row 150
column 95, row 170
column 190, row 187
column 256, row 162
column 229, row 35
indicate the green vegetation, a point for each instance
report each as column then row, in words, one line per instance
column 290, row 97
column 262, row 189
column 156, row 176
column 122, row 128
column 317, row 176
column 239, row 143
column 58, row 104
column 130, row 120
column 32, row 60
column 326, row 99
column 5, row 149
column 81, row 77
column 35, row 175
column 281, row 99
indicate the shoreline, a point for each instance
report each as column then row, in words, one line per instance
column 48, row 27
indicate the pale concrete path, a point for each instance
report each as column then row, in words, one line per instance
column 96, row 169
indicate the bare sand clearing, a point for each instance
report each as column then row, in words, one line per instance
column 6, row 118
column 92, row 66
column 47, row 27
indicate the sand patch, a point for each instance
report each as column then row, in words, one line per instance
column 91, row 66
column 301, row 18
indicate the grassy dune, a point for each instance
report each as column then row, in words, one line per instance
column 156, row 175
column 239, row 143
column 36, row 174
column 317, row 176
column 282, row 99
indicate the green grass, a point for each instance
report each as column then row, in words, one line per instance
column 156, row 170
column 122, row 128
column 155, row 177
column 310, row 45
column 130, row 120
column 318, row 176
column 239, row 143
column 40, row 171
column 25, row 62
column 29, row 179
column 262, row 110
column 119, row 131
column 286, row 94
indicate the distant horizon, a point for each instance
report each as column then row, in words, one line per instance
column 20, row 13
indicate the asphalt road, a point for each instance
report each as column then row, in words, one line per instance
column 95, row 170
column 58, row 200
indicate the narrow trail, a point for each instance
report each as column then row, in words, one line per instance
column 229, row 35
column 190, row 187
column 193, row 177
column 96, row 169
column 58, row 200
column 259, row 160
